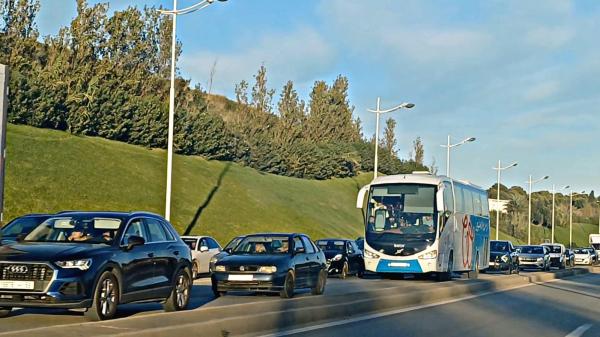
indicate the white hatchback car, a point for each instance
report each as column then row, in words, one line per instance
column 203, row 249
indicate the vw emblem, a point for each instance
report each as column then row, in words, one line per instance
column 242, row 268
column 17, row 269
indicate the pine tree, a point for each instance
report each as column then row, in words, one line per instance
column 389, row 139
column 418, row 151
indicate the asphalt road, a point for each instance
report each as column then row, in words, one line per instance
column 202, row 296
column 568, row 307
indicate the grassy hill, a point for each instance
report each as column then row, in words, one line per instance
column 48, row 171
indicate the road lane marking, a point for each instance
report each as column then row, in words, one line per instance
column 579, row 331
column 388, row 313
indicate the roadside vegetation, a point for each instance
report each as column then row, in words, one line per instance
column 108, row 76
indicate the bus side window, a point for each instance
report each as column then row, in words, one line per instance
column 460, row 199
column 448, row 197
column 485, row 204
column 468, row 196
column 477, row 203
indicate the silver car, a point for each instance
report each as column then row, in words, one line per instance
column 534, row 257
column 584, row 256
column 203, row 249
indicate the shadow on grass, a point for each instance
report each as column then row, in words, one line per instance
column 207, row 201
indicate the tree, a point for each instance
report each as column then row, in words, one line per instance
column 418, row 151
column 291, row 116
column 389, row 137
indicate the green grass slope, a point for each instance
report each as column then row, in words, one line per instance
column 49, row 171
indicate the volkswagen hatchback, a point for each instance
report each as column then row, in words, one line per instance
column 95, row 261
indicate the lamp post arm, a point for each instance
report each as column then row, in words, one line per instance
column 190, row 9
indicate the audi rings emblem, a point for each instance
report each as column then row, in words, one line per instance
column 17, row 269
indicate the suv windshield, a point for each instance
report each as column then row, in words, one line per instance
column 532, row 250
column 331, row 245
column 498, row 246
column 21, row 225
column 263, row 245
column 76, row 229
column 402, row 209
column 580, row 251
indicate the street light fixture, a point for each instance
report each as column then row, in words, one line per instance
column 500, row 169
column 448, row 146
column 571, row 194
column 379, row 112
column 174, row 13
column 531, row 182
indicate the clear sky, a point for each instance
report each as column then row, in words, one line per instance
column 521, row 76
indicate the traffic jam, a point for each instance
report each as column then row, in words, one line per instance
column 96, row 261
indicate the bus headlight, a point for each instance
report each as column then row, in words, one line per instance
column 371, row 254
column 429, row 255
column 337, row 257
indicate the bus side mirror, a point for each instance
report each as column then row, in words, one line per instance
column 360, row 199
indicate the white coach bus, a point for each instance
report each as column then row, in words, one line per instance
column 420, row 223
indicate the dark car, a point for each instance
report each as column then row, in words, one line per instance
column 343, row 257
column 360, row 242
column 537, row 257
column 224, row 252
column 95, row 261
column 503, row 257
column 271, row 263
column 22, row 225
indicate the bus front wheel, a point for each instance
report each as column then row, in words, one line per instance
column 447, row 275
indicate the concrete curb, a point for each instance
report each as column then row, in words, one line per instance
column 278, row 315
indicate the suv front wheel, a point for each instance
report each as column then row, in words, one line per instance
column 106, row 298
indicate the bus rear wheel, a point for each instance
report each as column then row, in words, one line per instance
column 474, row 274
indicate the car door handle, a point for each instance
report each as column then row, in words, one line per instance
column 150, row 254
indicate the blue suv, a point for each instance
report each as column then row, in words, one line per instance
column 96, row 260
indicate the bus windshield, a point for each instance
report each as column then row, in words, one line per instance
column 404, row 209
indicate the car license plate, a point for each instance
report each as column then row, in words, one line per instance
column 20, row 285
column 234, row 277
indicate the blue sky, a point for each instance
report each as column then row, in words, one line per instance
column 521, row 76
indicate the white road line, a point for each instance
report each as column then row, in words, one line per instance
column 580, row 331
column 388, row 313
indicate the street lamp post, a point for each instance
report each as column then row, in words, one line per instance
column 448, row 146
column 500, row 169
column 598, row 202
column 379, row 112
column 531, row 182
column 553, row 202
column 571, row 194
column 174, row 13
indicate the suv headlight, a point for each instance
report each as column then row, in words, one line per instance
column 505, row 258
column 267, row 269
column 371, row 254
column 540, row 259
column 83, row 264
column 429, row 255
column 337, row 257
column 219, row 268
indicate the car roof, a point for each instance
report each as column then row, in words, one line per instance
column 109, row 213
column 195, row 236
column 333, row 239
column 275, row 234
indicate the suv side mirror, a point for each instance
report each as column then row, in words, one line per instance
column 135, row 241
column 299, row 250
column 203, row 249
column 228, row 250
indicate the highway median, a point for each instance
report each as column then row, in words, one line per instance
column 277, row 315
